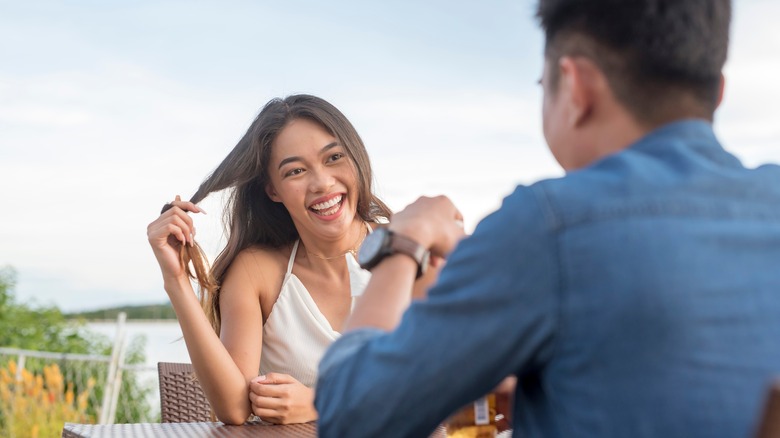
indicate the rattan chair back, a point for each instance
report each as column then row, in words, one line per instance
column 181, row 397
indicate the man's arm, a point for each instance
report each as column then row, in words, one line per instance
column 434, row 223
column 491, row 314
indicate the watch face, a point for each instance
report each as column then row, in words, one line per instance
column 371, row 247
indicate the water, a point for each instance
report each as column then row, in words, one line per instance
column 163, row 339
column 163, row 344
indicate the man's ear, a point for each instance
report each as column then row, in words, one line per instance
column 271, row 192
column 721, row 90
column 576, row 80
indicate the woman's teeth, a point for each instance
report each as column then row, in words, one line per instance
column 328, row 207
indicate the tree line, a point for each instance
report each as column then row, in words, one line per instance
column 149, row 312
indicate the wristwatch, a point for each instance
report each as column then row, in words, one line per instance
column 383, row 242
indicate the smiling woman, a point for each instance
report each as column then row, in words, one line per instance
column 312, row 180
column 300, row 203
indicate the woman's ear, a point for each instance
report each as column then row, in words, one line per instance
column 271, row 192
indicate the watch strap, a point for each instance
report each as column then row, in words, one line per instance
column 400, row 244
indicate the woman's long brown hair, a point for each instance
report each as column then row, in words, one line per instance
column 251, row 217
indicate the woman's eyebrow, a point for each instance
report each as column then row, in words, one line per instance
column 289, row 160
column 296, row 158
column 329, row 146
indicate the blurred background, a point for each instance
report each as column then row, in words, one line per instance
column 109, row 109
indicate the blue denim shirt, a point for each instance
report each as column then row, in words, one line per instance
column 638, row 297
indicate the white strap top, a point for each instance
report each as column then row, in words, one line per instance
column 296, row 334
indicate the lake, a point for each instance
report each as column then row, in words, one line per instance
column 163, row 344
column 163, row 339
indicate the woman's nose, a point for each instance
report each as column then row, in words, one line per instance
column 321, row 181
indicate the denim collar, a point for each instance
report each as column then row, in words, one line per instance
column 693, row 134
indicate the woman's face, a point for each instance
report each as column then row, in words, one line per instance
column 312, row 175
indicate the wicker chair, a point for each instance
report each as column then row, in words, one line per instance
column 769, row 426
column 181, row 397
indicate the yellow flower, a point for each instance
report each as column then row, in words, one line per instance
column 69, row 395
column 5, row 376
column 36, row 405
column 5, row 393
column 81, row 403
column 27, row 378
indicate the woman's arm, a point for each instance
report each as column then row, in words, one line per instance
column 223, row 367
column 221, row 373
column 241, row 331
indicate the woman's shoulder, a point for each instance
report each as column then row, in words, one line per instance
column 260, row 267
column 264, row 258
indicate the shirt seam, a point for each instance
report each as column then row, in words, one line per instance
column 547, row 207
column 655, row 209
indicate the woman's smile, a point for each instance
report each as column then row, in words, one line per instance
column 328, row 208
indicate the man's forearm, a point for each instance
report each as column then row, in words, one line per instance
column 387, row 295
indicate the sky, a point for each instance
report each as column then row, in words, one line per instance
column 109, row 109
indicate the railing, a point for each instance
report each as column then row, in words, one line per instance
column 97, row 379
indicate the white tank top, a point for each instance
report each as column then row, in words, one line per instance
column 296, row 334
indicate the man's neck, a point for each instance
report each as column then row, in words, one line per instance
column 607, row 135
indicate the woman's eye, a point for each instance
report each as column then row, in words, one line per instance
column 293, row 172
column 336, row 157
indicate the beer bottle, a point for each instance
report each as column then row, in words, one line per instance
column 476, row 420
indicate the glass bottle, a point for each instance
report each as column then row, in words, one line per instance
column 476, row 420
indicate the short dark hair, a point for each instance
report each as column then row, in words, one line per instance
column 653, row 52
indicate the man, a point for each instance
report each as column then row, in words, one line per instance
column 638, row 296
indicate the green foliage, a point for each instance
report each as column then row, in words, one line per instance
column 47, row 329
column 43, row 329
column 133, row 406
column 150, row 311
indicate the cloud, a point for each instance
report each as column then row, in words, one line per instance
column 107, row 112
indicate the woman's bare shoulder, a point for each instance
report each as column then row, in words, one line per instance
column 265, row 254
column 259, row 269
column 261, row 261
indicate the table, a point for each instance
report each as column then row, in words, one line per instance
column 198, row 430
column 205, row 430
column 189, row 430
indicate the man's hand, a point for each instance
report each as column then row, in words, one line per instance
column 434, row 223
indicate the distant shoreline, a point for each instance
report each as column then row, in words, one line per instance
column 128, row 321
column 149, row 312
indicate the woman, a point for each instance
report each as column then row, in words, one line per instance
column 278, row 294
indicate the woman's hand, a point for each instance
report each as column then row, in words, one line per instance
column 279, row 398
column 168, row 233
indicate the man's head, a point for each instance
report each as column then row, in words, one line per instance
column 660, row 60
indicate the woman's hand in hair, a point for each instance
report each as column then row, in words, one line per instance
column 168, row 233
column 281, row 399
